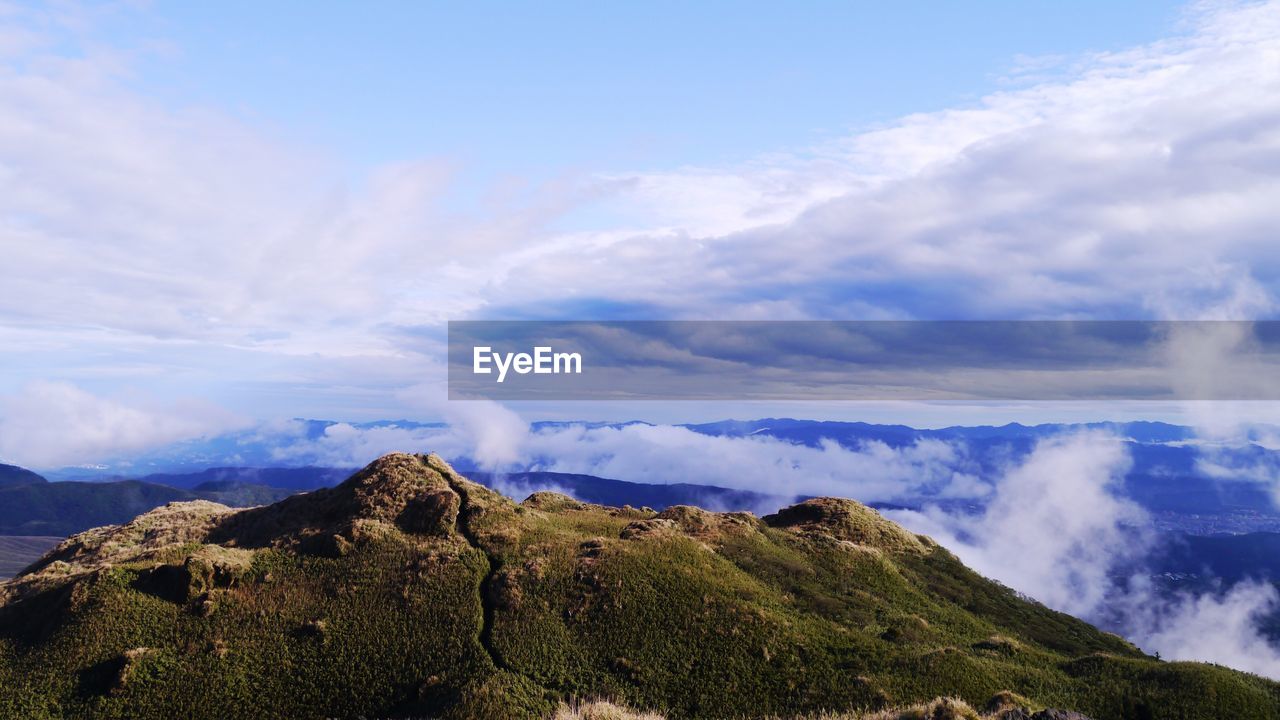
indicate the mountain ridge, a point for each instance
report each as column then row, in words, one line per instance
column 12, row 476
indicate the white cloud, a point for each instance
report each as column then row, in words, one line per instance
column 1058, row 531
column 345, row 445
column 1054, row 528
column 497, row 439
column 1219, row 628
column 664, row 453
column 1110, row 192
column 49, row 425
column 492, row 433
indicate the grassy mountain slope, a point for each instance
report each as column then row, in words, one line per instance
column 408, row 590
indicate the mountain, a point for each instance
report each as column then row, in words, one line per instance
column 810, row 432
column 410, row 591
column 285, row 478
column 16, row 553
column 63, row 508
column 1220, row 559
column 12, row 475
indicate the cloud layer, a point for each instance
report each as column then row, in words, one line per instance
column 49, row 425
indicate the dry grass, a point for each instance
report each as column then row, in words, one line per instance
column 601, row 710
column 939, row 709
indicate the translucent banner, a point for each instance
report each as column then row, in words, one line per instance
column 864, row 360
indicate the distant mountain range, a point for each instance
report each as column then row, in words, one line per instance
column 810, row 432
column 63, row 508
column 286, row 478
column 1166, row 474
column 258, row 447
column 17, row 552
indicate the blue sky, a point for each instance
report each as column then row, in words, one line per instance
column 540, row 88
column 214, row 214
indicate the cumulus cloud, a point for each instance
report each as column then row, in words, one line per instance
column 346, row 445
column 48, row 425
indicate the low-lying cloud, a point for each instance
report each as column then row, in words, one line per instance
column 1212, row 627
column 1057, row 531
column 51, row 424
column 1055, row 528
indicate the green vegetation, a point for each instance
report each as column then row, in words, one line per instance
column 410, row 591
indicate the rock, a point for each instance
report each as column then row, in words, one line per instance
column 127, row 667
column 434, row 512
column 849, row 520
column 548, row 501
column 648, row 528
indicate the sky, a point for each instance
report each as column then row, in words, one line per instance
column 537, row 89
column 219, row 214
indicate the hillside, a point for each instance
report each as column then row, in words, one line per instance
column 286, row 478
column 410, row 591
column 12, row 475
column 17, row 552
column 63, row 508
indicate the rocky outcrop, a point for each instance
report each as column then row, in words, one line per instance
column 151, row 538
column 847, row 520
